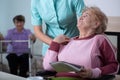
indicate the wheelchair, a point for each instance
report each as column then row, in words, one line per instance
column 50, row 75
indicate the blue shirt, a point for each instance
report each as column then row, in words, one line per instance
column 60, row 16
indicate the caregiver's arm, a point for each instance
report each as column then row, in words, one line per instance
column 53, row 51
column 37, row 23
column 40, row 35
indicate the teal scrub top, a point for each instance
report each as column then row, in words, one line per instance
column 60, row 17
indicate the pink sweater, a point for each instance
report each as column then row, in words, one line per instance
column 94, row 52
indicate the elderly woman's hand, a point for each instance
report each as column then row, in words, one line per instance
column 61, row 39
column 85, row 73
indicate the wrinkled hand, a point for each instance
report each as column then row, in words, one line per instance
column 61, row 39
column 85, row 73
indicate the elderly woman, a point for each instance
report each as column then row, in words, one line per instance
column 91, row 48
column 18, row 53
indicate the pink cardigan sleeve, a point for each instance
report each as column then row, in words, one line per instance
column 108, row 53
column 51, row 55
column 109, row 60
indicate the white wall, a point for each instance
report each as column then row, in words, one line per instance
column 109, row 7
column 3, row 15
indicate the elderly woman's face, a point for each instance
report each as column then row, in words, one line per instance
column 87, row 20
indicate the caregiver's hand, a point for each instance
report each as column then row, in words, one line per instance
column 61, row 39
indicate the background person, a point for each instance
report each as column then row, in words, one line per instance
column 18, row 51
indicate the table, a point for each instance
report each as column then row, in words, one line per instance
column 6, row 76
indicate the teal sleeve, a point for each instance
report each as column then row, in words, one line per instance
column 79, row 6
column 35, row 16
